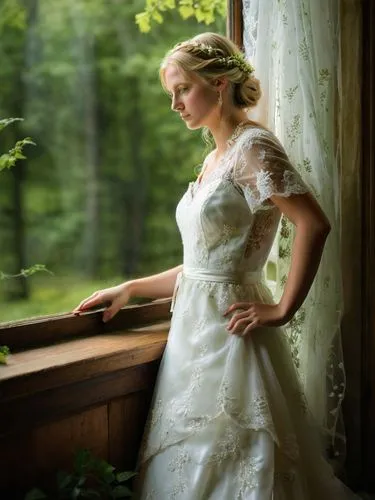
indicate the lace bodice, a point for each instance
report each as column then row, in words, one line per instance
column 228, row 222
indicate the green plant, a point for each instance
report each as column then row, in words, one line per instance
column 92, row 477
column 8, row 160
column 204, row 11
column 4, row 352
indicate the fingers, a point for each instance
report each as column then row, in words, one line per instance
column 242, row 322
column 237, row 305
column 111, row 311
column 244, row 326
column 93, row 300
column 237, row 318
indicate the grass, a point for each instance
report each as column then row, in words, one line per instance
column 51, row 295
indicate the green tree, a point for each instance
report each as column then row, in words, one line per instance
column 100, row 189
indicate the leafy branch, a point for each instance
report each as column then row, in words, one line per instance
column 91, row 478
column 8, row 160
column 25, row 273
column 204, row 11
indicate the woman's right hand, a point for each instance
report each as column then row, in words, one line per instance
column 116, row 297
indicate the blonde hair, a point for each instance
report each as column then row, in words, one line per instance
column 211, row 56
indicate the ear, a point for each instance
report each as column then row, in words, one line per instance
column 219, row 84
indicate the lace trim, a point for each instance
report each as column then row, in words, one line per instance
column 266, row 186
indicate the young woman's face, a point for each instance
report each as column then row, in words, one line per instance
column 192, row 98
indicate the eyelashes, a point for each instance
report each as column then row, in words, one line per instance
column 180, row 91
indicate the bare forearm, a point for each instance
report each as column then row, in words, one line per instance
column 306, row 255
column 156, row 286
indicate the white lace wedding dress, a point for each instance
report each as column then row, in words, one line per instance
column 228, row 420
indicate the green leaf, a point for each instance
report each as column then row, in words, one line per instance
column 35, row 494
column 4, row 349
column 156, row 16
column 36, row 268
column 63, row 479
column 90, row 493
column 76, row 493
column 121, row 477
column 186, row 11
column 6, row 161
column 143, row 21
column 121, row 491
column 7, row 121
column 82, row 480
column 82, row 459
column 4, row 352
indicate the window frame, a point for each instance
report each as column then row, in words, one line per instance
column 368, row 246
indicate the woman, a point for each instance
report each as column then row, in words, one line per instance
column 228, row 419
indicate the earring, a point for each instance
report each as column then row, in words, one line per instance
column 220, row 99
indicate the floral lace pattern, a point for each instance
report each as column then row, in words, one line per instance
column 247, row 476
column 178, row 466
column 263, row 222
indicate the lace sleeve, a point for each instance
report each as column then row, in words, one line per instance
column 263, row 170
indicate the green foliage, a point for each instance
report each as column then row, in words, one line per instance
column 25, row 273
column 12, row 14
column 97, row 197
column 8, row 160
column 91, row 478
column 204, row 11
column 4, row 353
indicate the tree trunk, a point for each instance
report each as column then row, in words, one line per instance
column 88, row 86
column 137, row 191
column 18, row 288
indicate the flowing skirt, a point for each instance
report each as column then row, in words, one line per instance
column 228, row 419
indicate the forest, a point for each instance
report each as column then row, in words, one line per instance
column 94, row 201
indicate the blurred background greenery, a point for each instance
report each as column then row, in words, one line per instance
column 95, row 200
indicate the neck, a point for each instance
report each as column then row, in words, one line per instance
column 223, row 130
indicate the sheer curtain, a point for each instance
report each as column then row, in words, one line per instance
column 294, row 46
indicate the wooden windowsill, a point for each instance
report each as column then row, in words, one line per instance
column 62, row 365
column 48, row 367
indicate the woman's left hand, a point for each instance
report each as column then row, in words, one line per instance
column 253, row 315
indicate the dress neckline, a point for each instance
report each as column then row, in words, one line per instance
column 237, row 132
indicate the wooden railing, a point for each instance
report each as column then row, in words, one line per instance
column 74, row 382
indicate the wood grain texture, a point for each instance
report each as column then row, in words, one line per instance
column 33, row 410
column 49, row 367
column 32, row 459
column 47, row 330
column 235, row 22
column 368, row 247
column 126, row 419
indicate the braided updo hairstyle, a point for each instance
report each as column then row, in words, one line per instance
column 208, row 55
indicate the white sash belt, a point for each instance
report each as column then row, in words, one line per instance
column 245, row 278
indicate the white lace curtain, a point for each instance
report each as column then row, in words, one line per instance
column 294, row 46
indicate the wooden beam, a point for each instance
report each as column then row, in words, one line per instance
column 368, row 245
column 235, row 22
